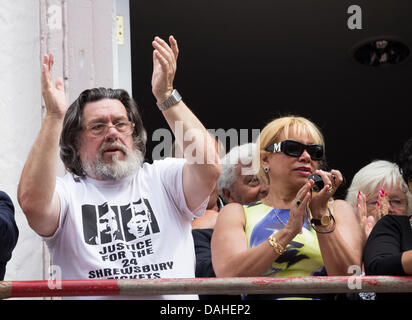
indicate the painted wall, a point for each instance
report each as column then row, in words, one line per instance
column 83, row 36
column 20, row 109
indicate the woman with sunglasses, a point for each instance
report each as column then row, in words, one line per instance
column 292, row 231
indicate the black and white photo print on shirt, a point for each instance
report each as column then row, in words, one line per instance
column 104, row 224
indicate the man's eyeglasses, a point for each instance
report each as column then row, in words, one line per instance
column 100, row 129
column 295, row 149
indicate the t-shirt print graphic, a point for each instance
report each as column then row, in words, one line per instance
column 104, row 224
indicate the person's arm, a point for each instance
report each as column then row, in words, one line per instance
column 36, row 191
column 383, row 250
column 342, row 247
column 406, row 261
column 200, row 175
column 8, row 228
column 231, row 256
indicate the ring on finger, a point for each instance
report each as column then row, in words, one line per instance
column 330, row 190
column 298, row 202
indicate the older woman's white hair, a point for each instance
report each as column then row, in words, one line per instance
column 243, row 154
column 377, row 174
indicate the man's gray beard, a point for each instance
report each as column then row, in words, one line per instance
column 116, row 169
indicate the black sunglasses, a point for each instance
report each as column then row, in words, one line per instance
column 295, row 149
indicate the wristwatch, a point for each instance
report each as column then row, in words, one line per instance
column 324, row 221
column 171, row 100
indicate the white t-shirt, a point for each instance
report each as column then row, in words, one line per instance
column 135, row 228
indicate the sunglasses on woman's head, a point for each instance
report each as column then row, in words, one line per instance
column 295, row 149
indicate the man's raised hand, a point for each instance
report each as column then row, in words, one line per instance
column 53, row 94
column 164, row 67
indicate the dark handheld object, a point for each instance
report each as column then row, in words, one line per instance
column 319, row 184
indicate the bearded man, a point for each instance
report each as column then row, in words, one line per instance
column 102, row 145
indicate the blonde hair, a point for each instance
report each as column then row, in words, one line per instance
column 289, row 126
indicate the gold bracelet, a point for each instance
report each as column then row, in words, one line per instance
column 276, row 245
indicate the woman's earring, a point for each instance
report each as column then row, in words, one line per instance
column 266, row 169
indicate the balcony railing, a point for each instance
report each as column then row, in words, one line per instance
column 231, row 286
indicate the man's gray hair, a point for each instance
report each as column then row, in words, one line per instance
column 243, row 154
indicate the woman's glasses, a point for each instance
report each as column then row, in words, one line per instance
column 295, row 149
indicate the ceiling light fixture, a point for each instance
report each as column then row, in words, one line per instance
column 381, row 52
